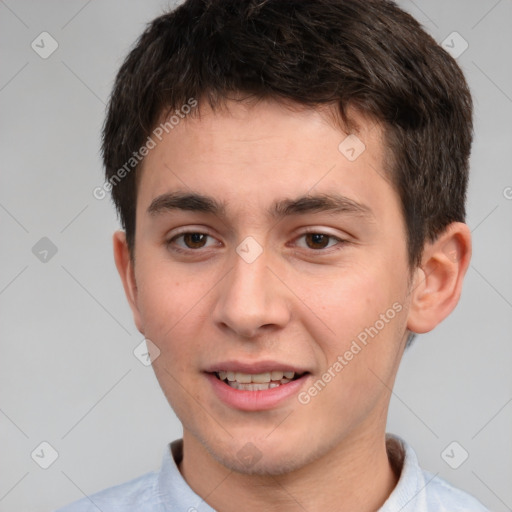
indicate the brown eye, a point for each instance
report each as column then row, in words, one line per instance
column 317, row 240
column 194, row 240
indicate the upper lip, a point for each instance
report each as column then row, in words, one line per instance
column 253, row 367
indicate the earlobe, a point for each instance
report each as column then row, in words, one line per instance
column 126, row 271
column 438, row 282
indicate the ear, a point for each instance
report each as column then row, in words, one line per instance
column 126, row 271
column 437, row 283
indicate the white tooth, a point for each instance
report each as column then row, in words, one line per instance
column 288, row 375
column 244, row 378
column 257, row 387
column 223, row 375
column 251, row 386
column 276, row 375
column 284, row 381
column 231, row 376
column 274, row 385
column 261, row 377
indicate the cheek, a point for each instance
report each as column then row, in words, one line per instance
column 362, row 308
column 171, row 308
column 350, row 300
column 367, row 318
column 166, row 303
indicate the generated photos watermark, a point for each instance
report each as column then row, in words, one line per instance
column 151, row 142
column 357, row 345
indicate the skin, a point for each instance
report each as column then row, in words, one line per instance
column 294, row 304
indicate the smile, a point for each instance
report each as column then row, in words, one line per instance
column 257, row 386
column 257, row 381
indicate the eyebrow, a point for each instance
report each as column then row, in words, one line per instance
column 185, row 201
column 319, row 203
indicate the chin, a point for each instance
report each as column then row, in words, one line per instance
column 266, row 457
column 268, row 465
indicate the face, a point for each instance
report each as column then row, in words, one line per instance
column 271, row 273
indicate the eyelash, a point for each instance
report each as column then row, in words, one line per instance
column 340, row 242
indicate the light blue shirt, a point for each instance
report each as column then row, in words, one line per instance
column 166, row 490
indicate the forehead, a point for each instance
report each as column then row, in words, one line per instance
column 247, row 156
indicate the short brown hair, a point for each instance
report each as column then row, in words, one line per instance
column 366, row 54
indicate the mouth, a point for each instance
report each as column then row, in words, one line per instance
column 257, row 381
column 256, row 386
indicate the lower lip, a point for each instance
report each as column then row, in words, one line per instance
column 255, row 400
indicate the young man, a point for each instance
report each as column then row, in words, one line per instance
column 291, row 180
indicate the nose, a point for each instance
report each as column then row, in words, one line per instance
column 252, row 300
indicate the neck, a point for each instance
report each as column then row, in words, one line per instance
column 355, row 475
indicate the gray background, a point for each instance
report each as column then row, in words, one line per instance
column 68, row 374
